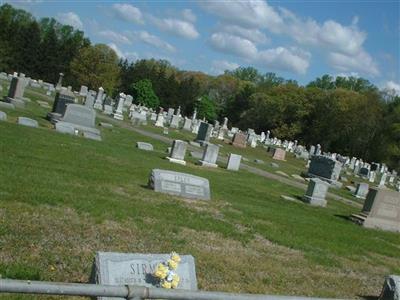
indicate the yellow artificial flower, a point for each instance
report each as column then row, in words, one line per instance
column 172, row 264
column 166, row 285
column 161, row 271
column 175, row 281
column 175, row 257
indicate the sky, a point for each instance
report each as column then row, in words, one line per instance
column 298, row 40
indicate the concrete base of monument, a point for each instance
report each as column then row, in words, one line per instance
column 314, row 201
column 177, row 161
column 207, row 164
column 118, row 116
column 54, row 117
column 98, row 106
column 7, row 105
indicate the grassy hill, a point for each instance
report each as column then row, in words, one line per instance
column 62, row 198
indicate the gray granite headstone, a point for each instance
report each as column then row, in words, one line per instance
column 91, row 136
column 27, row 122
column 178, row 151
column 234, row 162
column 80, row 115
column 361, row 190
column 187, row 125
column 316, row 192
column 65, row 128
column 113, row 268
column 180, row 184
column 7, row 105
column 3, row 116
column 145, row 146
column 175, row 121
column 210, row 156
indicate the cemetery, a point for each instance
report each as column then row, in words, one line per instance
column 127, row 201
column 109, row 191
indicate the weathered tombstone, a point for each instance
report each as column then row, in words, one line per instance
column 316, row 192
column 16, row 91
column 239, row 140
column 113, row 268
column 279, row 154
column 210, row 156
column 28, row 122
column 160, row 120
column 174, row 121
column 381, row 210
column 363, row 172
column 382, row 181
column 234, row 162
column 99, row 99
column 128, row 101
column 178, row 151
column 91, row 136
column 119, row 113
column 187, row 125
column 59, row 83
column 138, row 118
column 361, row 190
column 108, row 110
column 145, row 146
column 204, row 133
column 65, row 128
column 83, row 91
column 180, row 184
column 3, row 116
column 89, row 101
column 325, row 168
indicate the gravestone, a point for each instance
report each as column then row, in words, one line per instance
column 239, row 140
column 363, row 172
column 65, row 128
column 99, row 99
column 325, row 168
column 178, row 151
column 89, row 101
column 138, row 118
column 204, row 133
column 83, row 91
column 361, row 190
column 28, row 122
column 382, row 181
column 187, row 125
column 180, row 184
column 279, row 154
column 160, row 120
column 16, row 91
column 316, row 192
column 3, row 116
column 234, row 162
column 82, row 119
column 108, row 110
column 144, row 146
column 7, row 105
column 174, row 121
column 119, row 112
column 111, row 268
column 62, row 99
column 381, row 210
column 210, row 156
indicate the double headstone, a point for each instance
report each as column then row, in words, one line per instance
column 325, row 168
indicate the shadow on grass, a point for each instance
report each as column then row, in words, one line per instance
column 344, row 217
column 368, row 297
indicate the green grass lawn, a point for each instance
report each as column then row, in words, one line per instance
column 62, row 198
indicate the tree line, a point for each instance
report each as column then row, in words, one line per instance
column 347, row 115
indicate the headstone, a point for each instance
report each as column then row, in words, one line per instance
column 187, row 125
column 89, row 101
column 7, row 105
column 106, row 125
column 361, row 190
column 210, row 156
column 128, row 101
column 108, row 110
column 325, row 168
column 145, row 146
column 83, row 91
column 391, row 288
column 234, row 162
column 239, row 140
column 279, row 154
column 382, row 181
column 65, row 128
column 28, row 122
column 16, row 92
column 91, row 136
column 204, row 133
column 113, row 268
column 99, row 99
column 316, row 192
column 138, row 118
column 363, row 172
column 119, row 113
column 174, row 121
column 160, row 120
column 62, row 99
column 381, row 210
column 180, row 184
column 59, row 83
column 3, row 116
column 178, row 151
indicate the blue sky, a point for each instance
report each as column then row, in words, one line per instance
column 296, row 39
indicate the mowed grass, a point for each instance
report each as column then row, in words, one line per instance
column 62, row 198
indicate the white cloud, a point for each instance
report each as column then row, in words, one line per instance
column 253, row 35
column 176, row 27
column 151, row 40
column 347, row 75
column 294, row 60
column 220, row 66
column 255, row 14
column 115, row 37
column 232, row 44
column 70, row 18
column 188, row 15
column 393, row 87
column 128, row 13
column 361, row 62
column 118, row 51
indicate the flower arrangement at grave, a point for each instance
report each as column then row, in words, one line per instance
column 165, row 272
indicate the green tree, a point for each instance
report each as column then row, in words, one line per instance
column 144, row 94
column 206, row 108
column 97, row 66
column 246, row 74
